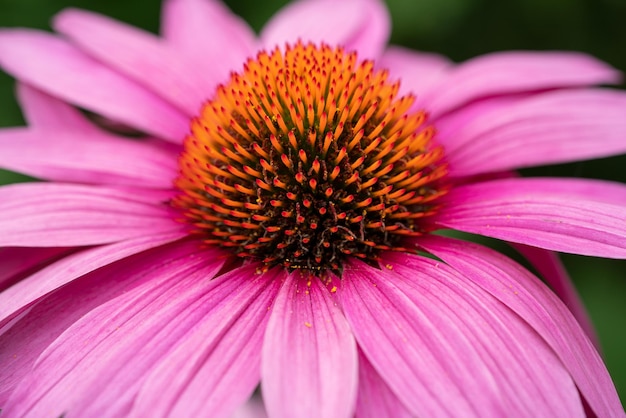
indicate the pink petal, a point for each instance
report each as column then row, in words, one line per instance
column 417, row 71
column 450, row 125
column 60, row 69
column 361, row 25
column 389, row 329
column 578, row 216
column 44, row 111
column 553, row 127
column 210, row 36
column 529, row 378
column 70, row 156
column 71, row 267
column 375, row 399
column 17, row 262
column 449, row 349
column 65, row 215
column 309, row 364
column 139, row 55
column 39, row 326
column 536, row 304
column 95, row 366
column 550, row 267
column 216, row 366
column 515, row 72
column 63, row 146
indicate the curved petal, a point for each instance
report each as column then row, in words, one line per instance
column 44, row 111
column 361, row 25
column 375, row 399
column 48, row 113
column 216, row 365
column 550, row 267
column 17, row 262
column 309, row 364
column 515, row 287
column 55, row 66
column 578, row 216
column 449, row 125
column 515, row 72
column 417, row 71
column 210, row 36
column 45, row 321
column 528, row 377
column 56, row 275
column 549, row 128
column 140, row 55
column 61, row 145
column 95, row 366
column 65, row 156
column 466, row 348
column 65, row 215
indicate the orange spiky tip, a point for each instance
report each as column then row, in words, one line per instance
column 307, row 157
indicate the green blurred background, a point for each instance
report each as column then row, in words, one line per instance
column 459, row 29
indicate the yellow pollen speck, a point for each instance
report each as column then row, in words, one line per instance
column 389, row 266
column 308, row 324
column 334, row 289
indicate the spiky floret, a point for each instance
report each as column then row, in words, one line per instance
column 306, row 157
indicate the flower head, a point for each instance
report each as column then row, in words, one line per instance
column 276, row 223
column 308, row 157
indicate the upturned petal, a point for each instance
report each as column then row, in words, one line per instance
column 361, row 25
column 416, row 71
column 139, row 55
column 52, row 64
column 198, row 29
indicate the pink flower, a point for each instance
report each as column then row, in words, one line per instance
column 287, row 245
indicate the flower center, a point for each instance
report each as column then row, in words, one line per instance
column 307, row 157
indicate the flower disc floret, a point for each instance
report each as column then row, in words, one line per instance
column 306, row 157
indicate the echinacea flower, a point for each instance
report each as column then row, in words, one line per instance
column 275, row 224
